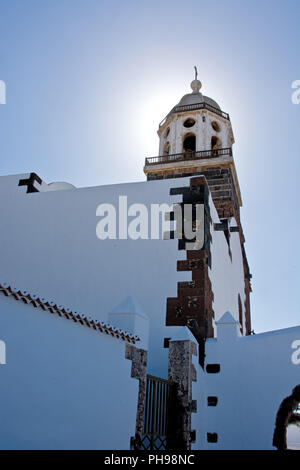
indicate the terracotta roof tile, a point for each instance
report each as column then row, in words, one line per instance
column 67, row 313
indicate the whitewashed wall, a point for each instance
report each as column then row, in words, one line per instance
column 49, row 247
column 227, row 273
column 64, row 386
column 256, row 374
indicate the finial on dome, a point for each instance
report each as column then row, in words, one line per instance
column 196, row 84
column 196, row 72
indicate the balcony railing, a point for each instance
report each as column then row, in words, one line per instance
column 193, row 107
column 189, row 155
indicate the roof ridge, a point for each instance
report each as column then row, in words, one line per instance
column 52, row 307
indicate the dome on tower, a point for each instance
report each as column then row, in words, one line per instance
column 195, row 98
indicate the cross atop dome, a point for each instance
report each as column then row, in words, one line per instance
column 196, row 84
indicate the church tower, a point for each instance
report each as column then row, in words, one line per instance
column 196, row 138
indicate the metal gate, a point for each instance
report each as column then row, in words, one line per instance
column 157, row 407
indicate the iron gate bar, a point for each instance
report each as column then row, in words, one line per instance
column 156, row 413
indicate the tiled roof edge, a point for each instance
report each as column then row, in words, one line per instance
column 62, row 311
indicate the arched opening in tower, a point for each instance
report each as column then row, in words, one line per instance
column 189, row 143
column 166, row 148
column 215, row 143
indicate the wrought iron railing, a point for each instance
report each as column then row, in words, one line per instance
column 193, row 107
column 158, row 393
column 189, row 155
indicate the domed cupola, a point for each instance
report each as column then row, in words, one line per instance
column 196, row 123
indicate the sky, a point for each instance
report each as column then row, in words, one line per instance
column 88, row 81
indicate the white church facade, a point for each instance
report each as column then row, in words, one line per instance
column 141, row 341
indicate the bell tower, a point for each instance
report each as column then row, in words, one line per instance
column 196, row 138
column 195, row 124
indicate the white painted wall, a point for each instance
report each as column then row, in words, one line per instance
column 64, row 386
column 49, row 247
column 226, row 275
column 256, row 375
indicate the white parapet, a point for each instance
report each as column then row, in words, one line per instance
column 228, row 328
column 129, row 316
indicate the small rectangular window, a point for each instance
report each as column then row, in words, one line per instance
column 212, row 437
column 212, row 401
column 213, row 368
